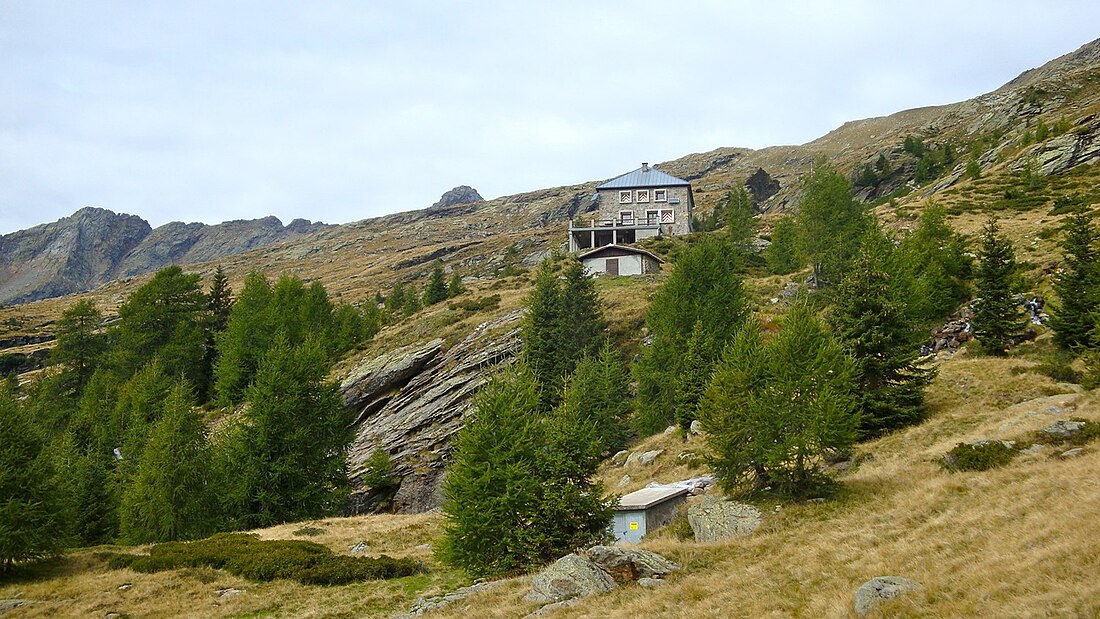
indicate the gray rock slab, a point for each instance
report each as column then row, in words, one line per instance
column 714, row 519
column 630, row 564
column 571, row 576
column 1063, row 429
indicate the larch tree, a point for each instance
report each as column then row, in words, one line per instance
column 829, row 218
column 1077, row 285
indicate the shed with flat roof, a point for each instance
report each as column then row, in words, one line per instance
column 646, row 510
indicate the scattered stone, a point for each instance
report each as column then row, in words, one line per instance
column 881, row 588
column 571, row 576
column 671, row 429
column 114, row 615
column 648, row 457
column 425, row 605
column 716, row 519
column 423, row 547
column 228, row 593
column 625, row 481
column 1037, row 448
column 628, row 565
column 1072, row 453
column 6, row 605
column 549, row 608
column 696, row 428
column 1063, row 429
column 125, row 586
column 358, row 549
column 619, row 458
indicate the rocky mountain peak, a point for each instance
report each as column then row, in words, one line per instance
column 463, row 194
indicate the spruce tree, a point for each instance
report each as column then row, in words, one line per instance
column 775, row 408
column 998, row 318
column 491, row 489
column 171, row 496
column 544, row 335
column 31, row 508
column 220, row 300
column 437, row 286
column 80, row 346
column 582, row 316
column 1077, row 285
column 455, row 287
column 704, row 288
column 692, row 381
column 828, row 219
column 782, row 254
column 250, row 330
column 883, row 340
column 287, row 459
column 598, row 390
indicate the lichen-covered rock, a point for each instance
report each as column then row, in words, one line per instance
column 415, row 425
column 1063, row 429
column 365, row 387
column 630, row 564
column 571, row 576
column 715, row 519
column 426, row 605
column 881, row 588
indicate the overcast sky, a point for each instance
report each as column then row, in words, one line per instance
column 338, row 111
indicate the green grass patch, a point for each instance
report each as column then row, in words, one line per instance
column 978, row 456
column 248, row 556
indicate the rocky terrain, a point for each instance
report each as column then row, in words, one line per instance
column 94, row 246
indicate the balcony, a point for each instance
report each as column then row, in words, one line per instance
column 622, row 231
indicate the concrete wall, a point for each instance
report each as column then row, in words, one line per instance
column 610, row 207
column 628, row 265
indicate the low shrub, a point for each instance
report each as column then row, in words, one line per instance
column 308, row 531
column 248, row 556
column 978, row 456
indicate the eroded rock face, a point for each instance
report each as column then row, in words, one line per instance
column 1079, row 146
column 762, row 186
column 630, row 564
column 416, row 422
column 370, row 384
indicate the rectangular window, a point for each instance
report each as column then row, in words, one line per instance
column 626, row 197
column 652, row 217
column 660, row 195
column 626, row 218
column 642, row 195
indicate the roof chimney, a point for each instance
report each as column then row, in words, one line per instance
column 645, row 167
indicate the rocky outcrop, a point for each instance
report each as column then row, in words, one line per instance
column 630, row 564
column 762, row 186
column 1079, row 146
column 463, row 194
column 94, row 246
column 571, row 576
column 715, row 519
column 372, row 384
column 416, row 421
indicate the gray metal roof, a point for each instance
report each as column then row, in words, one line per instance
column 626, row 248
column 648, row 497
column 643, row 177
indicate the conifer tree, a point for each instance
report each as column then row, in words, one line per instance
column 1077, row 285
column 437, row 286
column 740, row 213
column 221, row 300
column 31, row 509
column 250, row 330
column 774, row 408
column 828, row 219
column 933, row 267
column 782, row 254
column 598, row 390
column 883, row 340
column 80, row 347
column 287, row 459
column 998, row 318
column 704, row 288
column 693, row 378
column 582, row 318
column 171, row 495
column 455, row 287
column 544, row 335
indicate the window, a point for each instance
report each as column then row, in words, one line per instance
column 652, row 217
column 642, row 195
column 626, row 218
column 660, row 195
column 667, row 216
column 626, row 197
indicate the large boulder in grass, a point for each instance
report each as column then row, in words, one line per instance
column 881, row 588
column 630, row 564
column 715, row 519
column 571, row 576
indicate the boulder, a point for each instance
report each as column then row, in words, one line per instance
column 715, row 519
column 373, row 378
column 881, row 588
column 628, row 565
column 650, row 583
column 648, row 457
column 620, row 457
column 696, row 427
column 571, row 576
column 1072, row 453
column 426, row 605
column 1063, row 429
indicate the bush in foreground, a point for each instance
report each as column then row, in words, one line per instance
column 248, row 556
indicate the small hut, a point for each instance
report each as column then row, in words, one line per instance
column 619, row 260
column 646, row 510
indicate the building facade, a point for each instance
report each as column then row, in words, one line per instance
column 639, row 204
column 615, row 260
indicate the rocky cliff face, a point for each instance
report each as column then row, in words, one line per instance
column 94, row 246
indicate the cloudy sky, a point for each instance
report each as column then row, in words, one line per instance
column 338, row 111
